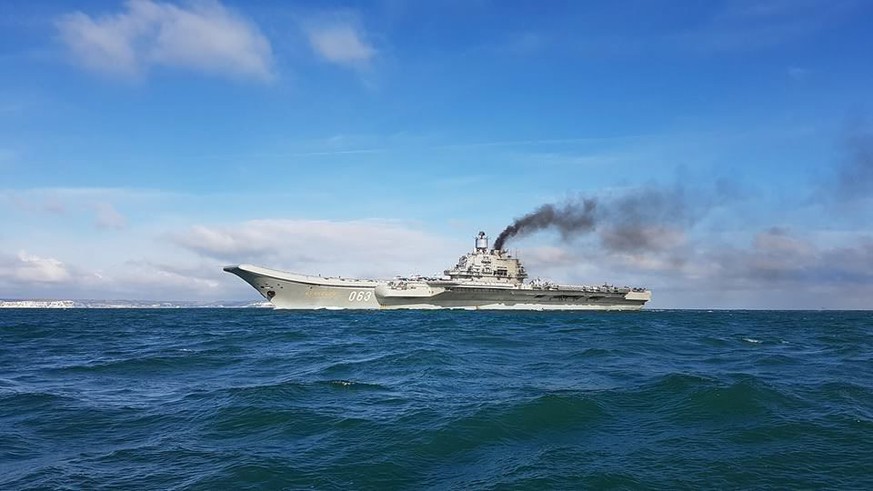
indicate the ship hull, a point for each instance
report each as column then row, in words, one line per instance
column 485, row 298
column 294, row 291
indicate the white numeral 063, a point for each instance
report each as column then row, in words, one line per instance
column 357, row 296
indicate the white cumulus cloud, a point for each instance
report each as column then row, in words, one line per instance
column 29, row 268
column 204, row 36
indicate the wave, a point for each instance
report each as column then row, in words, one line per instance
column 452, row 400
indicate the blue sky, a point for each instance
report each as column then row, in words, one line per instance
column 144, row 144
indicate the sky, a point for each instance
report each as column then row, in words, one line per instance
column 727, row 145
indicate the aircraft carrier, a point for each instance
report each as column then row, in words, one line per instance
column 485, row 278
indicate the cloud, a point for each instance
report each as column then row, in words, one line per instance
column 365, row 248
column 70, row 202
column 29, row 268
column 108, row 216
column 779, row 258
column 855, row 174
column 201, row 281
column 378, row 248
column 778, row 268
column 204, row 37
column 774, row 256
column 29, row 202
column 663, row 237
column 30, row 276
column 340, row 40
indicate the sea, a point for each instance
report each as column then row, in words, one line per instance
column 221, row 398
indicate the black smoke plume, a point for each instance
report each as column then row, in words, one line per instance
column 639, row 220
column 570, row 218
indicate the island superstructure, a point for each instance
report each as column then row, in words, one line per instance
column 485, row 278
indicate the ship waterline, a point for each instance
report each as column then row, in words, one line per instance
column 487, row 279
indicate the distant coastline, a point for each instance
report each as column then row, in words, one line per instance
column 123, row 304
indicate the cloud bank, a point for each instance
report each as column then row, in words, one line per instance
column 27, row 275
column 204, row 36
column 190, row 268
column 650, row 236
column 375, row 248
column 30, row 268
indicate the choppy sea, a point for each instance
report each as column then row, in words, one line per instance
column 261, row 399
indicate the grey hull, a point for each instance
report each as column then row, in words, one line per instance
column 515, row 299
column 295, row 291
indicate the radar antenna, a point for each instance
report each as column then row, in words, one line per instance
column 481, row 242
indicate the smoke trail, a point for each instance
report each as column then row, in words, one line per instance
column 570, row 219
column 856, row 173
column 648, row 219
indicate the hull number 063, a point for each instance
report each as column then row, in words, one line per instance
column 357, row 296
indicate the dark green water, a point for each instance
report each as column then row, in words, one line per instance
column 258, row 399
